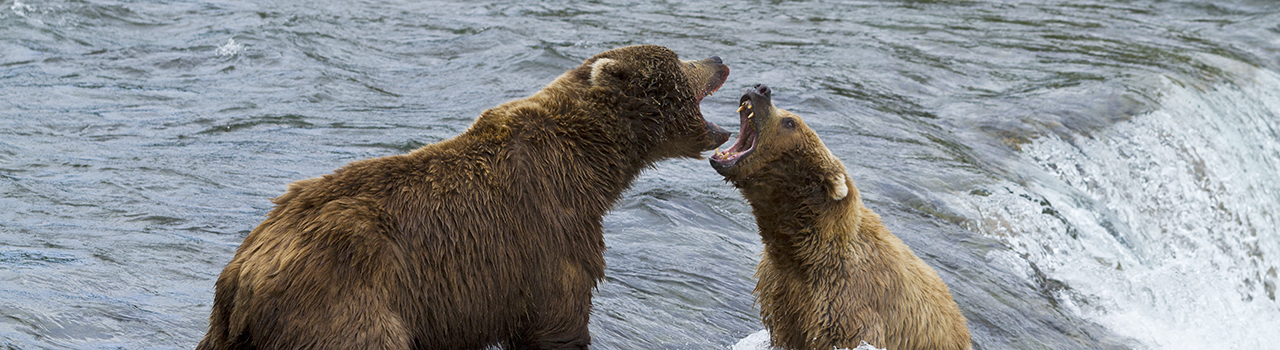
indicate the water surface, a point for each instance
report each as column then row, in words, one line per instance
column 1083, row 174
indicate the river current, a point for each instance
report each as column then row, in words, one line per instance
column 1083, row 174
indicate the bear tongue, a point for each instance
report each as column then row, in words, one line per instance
column 747, row 133
column 746, row 137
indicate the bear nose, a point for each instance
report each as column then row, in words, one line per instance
column 716, row 60
column 763, row 90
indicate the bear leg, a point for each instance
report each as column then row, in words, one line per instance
column 559, row 325
column 560, row 322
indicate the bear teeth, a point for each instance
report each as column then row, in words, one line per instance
column 725, row 154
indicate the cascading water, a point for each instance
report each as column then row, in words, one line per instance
column 1162, row 227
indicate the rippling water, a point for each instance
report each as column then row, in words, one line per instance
column 1083, row 174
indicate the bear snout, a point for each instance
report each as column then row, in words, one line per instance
column 763, row 90
column 717, row 135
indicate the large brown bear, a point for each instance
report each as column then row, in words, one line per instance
column 490, row 238
column 831, row 274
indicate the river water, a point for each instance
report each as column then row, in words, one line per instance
column 1084, row 174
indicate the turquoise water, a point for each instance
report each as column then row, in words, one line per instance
column 1083, row 174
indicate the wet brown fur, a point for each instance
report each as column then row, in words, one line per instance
column 492, row 237
column 831, row 274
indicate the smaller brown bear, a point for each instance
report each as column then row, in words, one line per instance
column 831, row 274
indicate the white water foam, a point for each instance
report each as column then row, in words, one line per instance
column 755, row 341
column 21, row 9
column 231, row 48
column 1163, row 228
column 760, row 341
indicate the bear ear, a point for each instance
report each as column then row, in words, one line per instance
column 604, row 69
column 839, row 189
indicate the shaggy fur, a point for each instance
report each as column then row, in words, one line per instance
column 492, row 237
column 831, row 274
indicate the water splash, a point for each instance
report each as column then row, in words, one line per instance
column 21, row 9
column 760, row 341
column 231, row 48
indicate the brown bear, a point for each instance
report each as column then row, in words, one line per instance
column 831, row 274
column 490, row 238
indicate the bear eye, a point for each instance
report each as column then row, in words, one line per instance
column 789, row 123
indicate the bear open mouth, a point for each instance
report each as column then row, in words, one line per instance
column 714, row 84
column 746, row 136
column 718, row 74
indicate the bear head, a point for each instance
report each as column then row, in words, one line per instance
column 779, row 159
column 656, row 96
